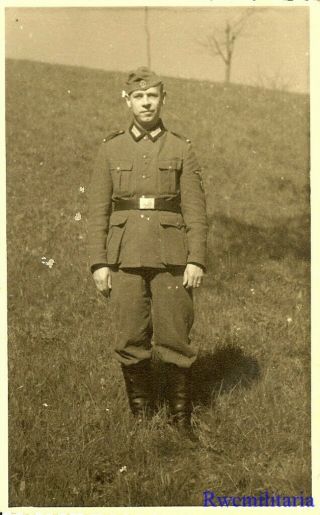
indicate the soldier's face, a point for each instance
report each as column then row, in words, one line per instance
column 146, row 105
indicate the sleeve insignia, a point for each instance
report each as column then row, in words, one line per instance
column 199, row 174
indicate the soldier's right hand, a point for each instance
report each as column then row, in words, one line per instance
column 102, row 279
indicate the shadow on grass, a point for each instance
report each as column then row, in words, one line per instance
column 290, row 237
column 214, row 373
column 221, row 371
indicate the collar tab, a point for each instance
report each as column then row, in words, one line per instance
column 137, row 133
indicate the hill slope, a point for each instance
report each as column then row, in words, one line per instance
column 70, row 433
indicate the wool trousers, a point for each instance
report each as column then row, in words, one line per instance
column 154, row 313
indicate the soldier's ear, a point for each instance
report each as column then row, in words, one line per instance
column 164, row 94
column 128, row 100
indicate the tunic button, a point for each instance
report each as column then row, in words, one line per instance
column 143, row 176
column 141, row 216
column 118, row 167
column 144, row 156
column 145, row 137
column 170, row 167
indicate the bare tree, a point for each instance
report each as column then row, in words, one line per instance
column 146, row 28
column 221, row 41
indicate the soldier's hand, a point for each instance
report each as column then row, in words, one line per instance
column 102, row 279
column 193, row 275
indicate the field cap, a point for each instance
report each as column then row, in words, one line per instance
column 141, row 78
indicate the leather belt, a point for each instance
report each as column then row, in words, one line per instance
column 151, row 203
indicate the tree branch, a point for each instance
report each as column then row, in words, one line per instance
column 218, row 48
column 213, row 46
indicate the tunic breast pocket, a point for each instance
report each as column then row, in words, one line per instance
column 122, row 176
column 169, row 175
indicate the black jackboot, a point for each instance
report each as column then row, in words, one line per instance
column 138, row 381
column 179, row 397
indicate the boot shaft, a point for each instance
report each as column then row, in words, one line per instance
column 139, row 387
column 179, row 392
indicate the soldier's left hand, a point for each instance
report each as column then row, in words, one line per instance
column 193, row 275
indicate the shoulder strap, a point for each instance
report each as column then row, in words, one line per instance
column 181, row 137
column 113, row 135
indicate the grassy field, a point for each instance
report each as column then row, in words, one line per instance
column 72, row 440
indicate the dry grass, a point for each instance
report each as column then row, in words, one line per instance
column 70, row 430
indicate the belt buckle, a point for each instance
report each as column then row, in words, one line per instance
column 146, row 203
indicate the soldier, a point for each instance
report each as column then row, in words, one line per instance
column 147, row 242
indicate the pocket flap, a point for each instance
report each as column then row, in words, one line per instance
column 170, row 164
column 118, row 218
column 121, row 164
column 171, row 219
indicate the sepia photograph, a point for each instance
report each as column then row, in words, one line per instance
column 158, row 255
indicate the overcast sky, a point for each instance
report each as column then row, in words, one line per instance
column 275, row 45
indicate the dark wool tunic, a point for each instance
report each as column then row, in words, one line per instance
column 134, row 164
